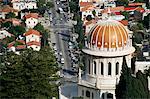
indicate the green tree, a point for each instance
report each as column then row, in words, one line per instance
column 29, row 75
column 6, row 24
column 44, row 33
column 122, row 2
column 146, row 21
column 10, row 15
column 49, row 4
column 41, row 3
column 17, row 30
column 79, row 30
column 126, row 14
column 124, row 88
column 94, row 12
column 89, row 18
column 141, row 1
column 73, row 6
column 130, row 87
column 7, row 40
column 140, row 25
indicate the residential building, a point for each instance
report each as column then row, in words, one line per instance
column 6, row 9
column 33, row 39
column 31, row 20
column 4, row 34
column 24, row 4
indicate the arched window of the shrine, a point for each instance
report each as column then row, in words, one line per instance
column 102, row 68
column 89, row 67
column 87, row 94
column 117, row 68
column 109, row 68
column 94, row 65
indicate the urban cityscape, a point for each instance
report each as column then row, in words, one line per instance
column 74, row 49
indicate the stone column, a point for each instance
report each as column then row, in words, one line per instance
column 79, row 78
column 113, row 69
column 105, row 95
column 105, row 67
column 148, row 82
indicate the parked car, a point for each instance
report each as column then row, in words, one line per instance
column 62, row 60
column 55, row 48
column 71, row 72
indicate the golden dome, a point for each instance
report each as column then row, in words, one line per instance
column 108, row 34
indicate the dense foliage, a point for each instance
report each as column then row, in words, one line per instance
column 130, row 87
column 10, row 15
column 29, row 75
column 43, row 32
column 17, row 30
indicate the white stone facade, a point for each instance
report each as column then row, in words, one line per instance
column 31, row 22
column 4, row 34
column 34, row 47
column 20, row 5
column 33, row 37
column 103, row 64
column 142, row 65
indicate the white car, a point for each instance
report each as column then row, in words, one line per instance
column 70, row 47
column 57, row 2
column 55, row 48
column 70, row 44
column 62, row 60
column 60, row 53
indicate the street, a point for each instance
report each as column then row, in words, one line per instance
column 61, row 31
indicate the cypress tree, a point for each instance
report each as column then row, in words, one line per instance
column 124, row 88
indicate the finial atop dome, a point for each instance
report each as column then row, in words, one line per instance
column 109, row 12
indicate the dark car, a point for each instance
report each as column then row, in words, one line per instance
column 70, row 72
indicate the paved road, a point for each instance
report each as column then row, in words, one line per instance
column 61, row 30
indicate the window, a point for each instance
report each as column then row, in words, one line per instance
column 102, row 68
column 82, row 92
column 1, row 33
column 109, row 68
column 92, row 95
column 32, row 35
column 87, row 94
column 94, row 65
column 29, row 22
column 117, row 68
column 27, row 6
column 89, row 66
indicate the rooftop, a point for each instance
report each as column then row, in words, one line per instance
column 32, row 31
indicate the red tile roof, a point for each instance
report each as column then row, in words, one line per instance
column 15, row 21
column 117, row 13
column 32, row 15
column 21, row 47
column 129, row 8
column 90, row 22
column 21, row 41
column 34, row 43
column 135, row 4
column 114, row 9
column 87, row 8
column 32, row 31
column 140, row 9
column 8, row 9
column 11, row 44
column 124, row 22
column 82, row 4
